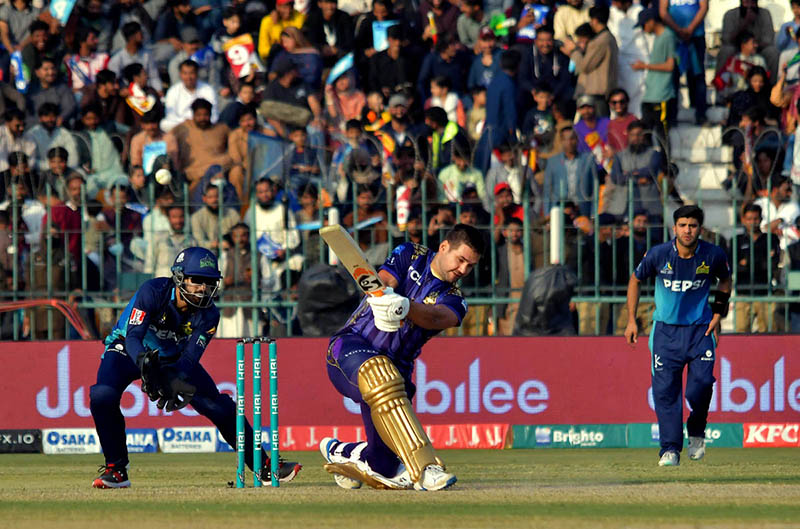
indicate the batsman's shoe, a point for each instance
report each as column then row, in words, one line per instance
column 434, row 477
column 326, row 447
column 697, row 448
column 670, row 458
column 112, row 477
column 287, row 470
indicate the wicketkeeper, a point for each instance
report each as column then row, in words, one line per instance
column 160, row 338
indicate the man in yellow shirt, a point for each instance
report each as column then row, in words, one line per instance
column 273, row 24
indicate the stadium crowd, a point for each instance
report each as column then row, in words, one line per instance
column 404, row 117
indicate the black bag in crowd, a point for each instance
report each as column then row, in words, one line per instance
column 327, row 297
column 544, row 307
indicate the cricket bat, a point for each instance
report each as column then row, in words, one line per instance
column 353, row 259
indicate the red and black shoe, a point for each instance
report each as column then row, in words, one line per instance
column 112, row 476
column 287, row 470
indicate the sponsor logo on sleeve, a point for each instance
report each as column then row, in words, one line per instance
column 137, row 317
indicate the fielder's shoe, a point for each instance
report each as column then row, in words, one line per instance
column 697, row 448
column 112, row 477
column 434, row 477
column 326, row 447
column 670, row 458
column 287, row 470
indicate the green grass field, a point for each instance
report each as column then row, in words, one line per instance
column 754, row 488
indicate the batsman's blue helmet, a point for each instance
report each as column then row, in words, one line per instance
column 196, row 261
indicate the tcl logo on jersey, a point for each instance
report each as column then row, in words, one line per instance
column 415, row 276
column 676, row 285
column 760, row 434
column 137, row 317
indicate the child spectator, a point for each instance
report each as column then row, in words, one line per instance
column 539, row 120
column 442, row 97
column 230, row 115
column 343, row 100
column 732, row 76
column 375, row 114
column 458, row 174
column 476, row 117
column 304, row 166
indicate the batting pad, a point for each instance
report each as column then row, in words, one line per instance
column 384, row 391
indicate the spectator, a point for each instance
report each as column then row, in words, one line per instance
column 382, row 11
column 330, row 30
column 785, row 39
column 505, row 207
column 445, row 20
column 443, row 97
column 21, row 183
column 87, row 62
column 753, row 19
column 309, row 212
column 756, row 95
column 343, row 100
column 732, row 75
column 458, row 174
column 158, row 142
column 569, row 175
column 355, row 141
column 755, row 255
column 633, row 46
column 509, row 171
column 443, row 61
column 48, row 134
column 687, row 20
column 399, row 131
column 277, row 226
column 235, row 322
column 16, row 17
column 211, row 222
column 568, row 17
column 102, row 166
column 289, row 89
column 233, row 111
column 390, row 68
column 470, row 22
column 140, row 98
column 510, row 274
column 476, row 116
column 237, row 151
column 12, row 137
column 201, row 144
column 659, row 101
column 374, row 238
column 171, row 25
column 93, row 14
column 779, row 212
column 592, row 131
column 192, row 48
column 644, row 238
column 294, row 45
column 232, row 27
column 501, row 109
column 134, row 51
column 304, row 164
column 10, row 98
column 41, row 45
column 593, row 317
column 103, row 94
column 643, row 164
column 748, row 178
column 47, row 89
column 57, row 172
column 156, row 220
column 597, row 64
column 539, row 122
column 618, row 126
column 543, row 64
column 127, row 11
column 487, row 60
column 168, row 244
column 531, row 15
column 273, row 24
column 181, row 96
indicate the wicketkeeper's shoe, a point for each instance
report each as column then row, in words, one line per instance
column 670, row 458
column 112, row 476
column 287, row 470
column 326, row 447
column 434, row 477
column 697, row 448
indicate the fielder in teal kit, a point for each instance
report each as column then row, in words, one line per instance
column 685, row 329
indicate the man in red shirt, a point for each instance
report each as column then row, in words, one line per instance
column 618, row 127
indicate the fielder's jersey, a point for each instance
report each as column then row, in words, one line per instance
column 682, row 285
column 152, row 320
column 410, row 264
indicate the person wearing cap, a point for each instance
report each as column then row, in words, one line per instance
column 183, row 93
column 597, row 64
column 569, row 175
column 471, row 23
column 208, row 71
column 505, row 208
column 330, row 30
column 390, row 68
column 399, row 131
column 487, row 59
column 659, row 102
column 275, row 22
column 544, row 63
column 592, row 130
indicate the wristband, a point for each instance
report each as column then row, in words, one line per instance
column 720, row 303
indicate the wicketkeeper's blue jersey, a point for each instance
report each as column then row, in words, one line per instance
column 682, row 285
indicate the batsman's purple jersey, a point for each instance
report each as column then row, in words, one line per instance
column 410, row 264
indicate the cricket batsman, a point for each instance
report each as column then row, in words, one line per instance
column 160, row 338
column 371, row 359
column 685, row 329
